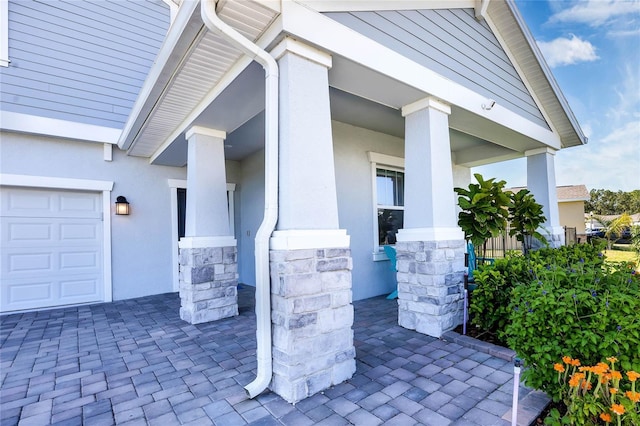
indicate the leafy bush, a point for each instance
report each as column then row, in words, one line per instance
column 587, row 308
column 490, row 301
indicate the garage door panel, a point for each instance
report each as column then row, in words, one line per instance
column 79, row 231
column 28, row 262
column 52, row 248
column 81, row 289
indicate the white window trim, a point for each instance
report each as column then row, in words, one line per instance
column 4, row 33
column 389, row 162
column 103, row 186
column 174, row 184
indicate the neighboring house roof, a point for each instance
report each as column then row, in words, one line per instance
column 195, row 67
column 566, row 193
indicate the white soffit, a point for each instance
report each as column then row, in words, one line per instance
column 204, row 66
column 363, row 5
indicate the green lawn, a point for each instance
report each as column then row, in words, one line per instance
column 622, row 256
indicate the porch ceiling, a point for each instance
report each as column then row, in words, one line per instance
column 228, row 94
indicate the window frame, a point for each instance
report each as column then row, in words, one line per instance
column 387, row 162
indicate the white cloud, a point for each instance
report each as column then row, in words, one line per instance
column 567, row 51
column 596, row 12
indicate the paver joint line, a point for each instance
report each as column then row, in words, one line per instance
column 136, row 362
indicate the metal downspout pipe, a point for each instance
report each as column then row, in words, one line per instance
column 263, row 290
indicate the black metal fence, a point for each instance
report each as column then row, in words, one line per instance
column 501, row 245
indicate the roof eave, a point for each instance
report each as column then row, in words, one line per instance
column 183, row 31
column 535, row 50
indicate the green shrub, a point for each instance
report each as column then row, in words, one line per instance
column 490, row 301
column 585, row 308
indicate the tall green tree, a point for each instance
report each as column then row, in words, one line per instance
column 525, row 218
column 606, row 202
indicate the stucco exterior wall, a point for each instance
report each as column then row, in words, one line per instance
column 572, row 215
column 141, row 242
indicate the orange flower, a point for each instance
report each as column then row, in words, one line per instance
column 586, row 385
column 618, row 409
column 558, row 367
column 606, row 417
column 613, row 391
column 600, row 368
column 567, row 360
column 612, row 359
column 632, row 375
column 616, row 375
column 633, row 396
column 575, row 362
column 575, row 379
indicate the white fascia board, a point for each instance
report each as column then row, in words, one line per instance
column 55, row 182
column 36, row 125
column 364, row 5
column 573, row 200
column 269, row 36
column 328, row 34
column 182, row 32
column 546, row 71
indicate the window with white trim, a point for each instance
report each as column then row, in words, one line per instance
column 388, row 200
column 4, row 33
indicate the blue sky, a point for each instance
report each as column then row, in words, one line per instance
column 593, row 49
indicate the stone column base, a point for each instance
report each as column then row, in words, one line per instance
column 430, row 285
column 312, row 319
column 208, row 284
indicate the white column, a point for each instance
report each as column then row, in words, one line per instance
column 308, row 206
column 207, row 215
column 541, row 181
column 429, row 198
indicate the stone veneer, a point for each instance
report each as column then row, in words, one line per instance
column 430, row 285
column 208, row 284
column 312, row 319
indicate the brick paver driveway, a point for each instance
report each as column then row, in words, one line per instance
column 135, row 362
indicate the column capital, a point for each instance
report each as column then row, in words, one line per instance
column 428, row 102
column 205, row 131
column 430, row 234
column 303, row 239
column 305, row 51
column 545, row 150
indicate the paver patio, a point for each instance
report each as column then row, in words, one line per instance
column 135, row 362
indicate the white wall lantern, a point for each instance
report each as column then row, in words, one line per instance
column 122, row 205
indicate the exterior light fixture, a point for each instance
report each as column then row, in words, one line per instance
column 489, row 105
column 122, row 205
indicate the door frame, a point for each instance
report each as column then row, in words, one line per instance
column 100, row 186
column 174, row 184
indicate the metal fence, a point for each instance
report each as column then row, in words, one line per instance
column 501, row 245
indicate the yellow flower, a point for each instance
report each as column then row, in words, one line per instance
column 606, row 417
column 558, row 367
column 618, row 409
column 632, row 375
column 633, row 396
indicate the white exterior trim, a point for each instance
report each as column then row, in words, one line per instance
column 539, row 151
column 362, row 5
column 25, row 123
column 78, row 184
column 305, row 51
column 329, row 35
column 174, row 184
column 4, row 33
column 429, row 102
column 518, row 68
column 387, row 160
column 205, row 242
column 430, row 234
column 206, row 131
column 305, row 239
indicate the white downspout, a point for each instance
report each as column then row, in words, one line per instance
column 263, row 290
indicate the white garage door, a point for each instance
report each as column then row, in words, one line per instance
column 51, row 248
